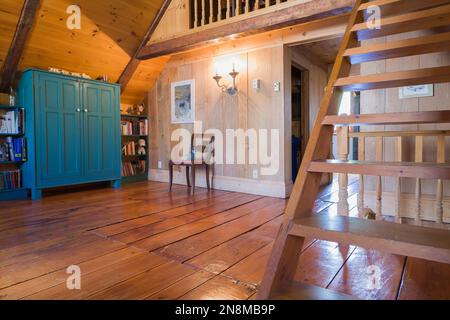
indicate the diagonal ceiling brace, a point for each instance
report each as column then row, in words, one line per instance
column 131, row 67
column 23, row 31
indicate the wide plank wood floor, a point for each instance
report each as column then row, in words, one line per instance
column 142, row 242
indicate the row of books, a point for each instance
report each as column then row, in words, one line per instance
column 13, row 149
column 133, row 168
column 12, row 121
column 10, row 180
column 134, row 127
column 129, row 149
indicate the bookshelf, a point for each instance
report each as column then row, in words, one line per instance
column 134, row 165
column 12, row 152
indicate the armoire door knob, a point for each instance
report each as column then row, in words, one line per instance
column 86, row 110
column 78, row 110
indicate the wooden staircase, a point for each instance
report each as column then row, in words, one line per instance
column 398, row 16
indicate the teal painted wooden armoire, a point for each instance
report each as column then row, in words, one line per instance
column 72, row 130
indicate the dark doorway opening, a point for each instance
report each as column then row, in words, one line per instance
column 300, row 116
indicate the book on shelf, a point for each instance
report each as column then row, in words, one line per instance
column 129, row 149
column 134, row 127
column 134, row 168
column 12, row 121
column 13, row 149
column 10, row 180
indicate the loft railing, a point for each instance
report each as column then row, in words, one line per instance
column 416, row 203
column 206, row 12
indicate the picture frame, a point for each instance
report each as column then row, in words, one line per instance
column 424, row 90
column 183, row 101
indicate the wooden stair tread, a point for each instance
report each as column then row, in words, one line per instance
column 302, row 291
column 413, row 21
column 402, row 48
column 422, row 170
column 395, row 79
column 395, row 118
column 413, row 241
column 393, row 7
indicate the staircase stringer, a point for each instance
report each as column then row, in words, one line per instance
column 285, row 254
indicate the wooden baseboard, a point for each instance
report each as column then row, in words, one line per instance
column 258, row 187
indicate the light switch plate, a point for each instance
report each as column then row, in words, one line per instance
column 255, row 174
column 159, row 165
column 277, row 86
column 256, row 84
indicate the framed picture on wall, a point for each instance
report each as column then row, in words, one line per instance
column 424, row 90
column 183, row 101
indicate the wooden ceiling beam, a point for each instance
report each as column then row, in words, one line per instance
column 23, row 30
column 131, row 67
column 282, row 18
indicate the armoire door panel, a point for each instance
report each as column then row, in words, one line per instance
column 101, row 136
column 58, row 131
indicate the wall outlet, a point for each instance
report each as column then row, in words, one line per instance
column 256, row 84
column 276, row 86
column 255, row 174
column 159, row 164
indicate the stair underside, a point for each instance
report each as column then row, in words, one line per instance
column 413, row 241
column 395, row 79
column 402, row 48
column 413, row 21
column 303, row 291
column 395, row 118
column 386, row 169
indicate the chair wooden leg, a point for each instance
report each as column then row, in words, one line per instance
column 193, row 179
column 213, row 172
column 208, row 184
column 170, row 176
column 188, row 179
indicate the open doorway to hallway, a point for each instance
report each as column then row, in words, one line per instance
column 300, row 115
column 308, row 66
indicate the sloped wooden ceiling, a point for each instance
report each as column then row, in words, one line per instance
column 111, row 31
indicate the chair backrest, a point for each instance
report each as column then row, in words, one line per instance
column 206, row 148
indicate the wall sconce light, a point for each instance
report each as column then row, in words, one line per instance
column 232, row 90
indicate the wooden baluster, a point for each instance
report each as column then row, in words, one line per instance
column 203, row 5
column 267, row 3
column 211, row 11
column 257, row 5
column 195, row 13
column 361, row 157
column 228, row 9
column 440, row 185
column 379, row 190
column 398, row 191
column 247, row 5
column 418, row 193
column 343, row 151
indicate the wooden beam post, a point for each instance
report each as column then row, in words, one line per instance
column 131, row 67
column 398, row 190
column 440, row 185
column 23, row 30
column 343, row 151
column 361, row 157
column 418, row 191
column 379, row 189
